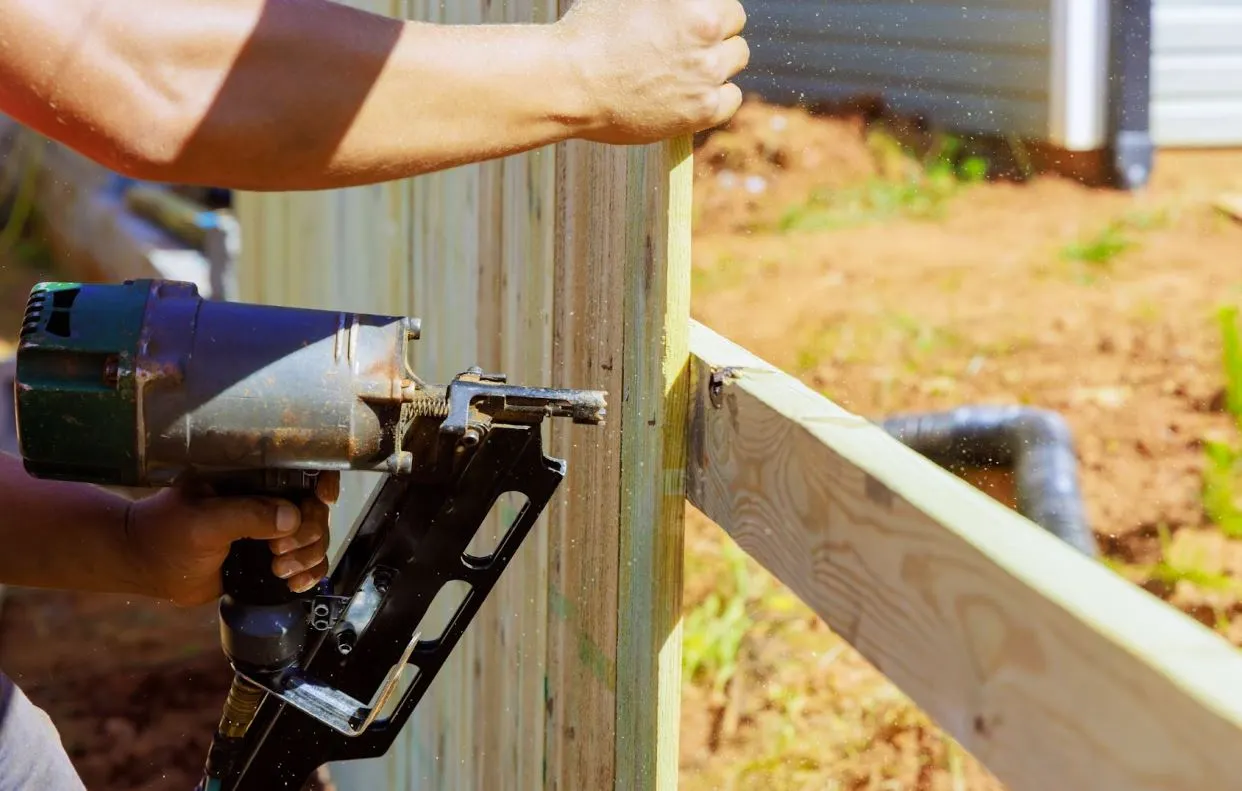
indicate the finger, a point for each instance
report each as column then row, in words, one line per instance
column 233, row 518
column 300, row 560
column 328, row 487
column 308, row 533
column 308, row 579
column 730, row 100
column 732, row 18
column 732, row 55
column 314, row 526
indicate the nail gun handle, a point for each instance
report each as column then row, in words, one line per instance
column 247, row 575
column 247, row 572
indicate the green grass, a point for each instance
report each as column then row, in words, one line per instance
column 875, row 201
column 1178, row 565
column 911, row 188
column 714, row 630
column 1173, row 568
column 1231, row 359
column 1099, row 251
column 1222, row 476
column 728, row 272
column 1147, row 311
column 891, row 336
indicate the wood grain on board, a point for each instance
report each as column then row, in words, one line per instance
column 1050, row 669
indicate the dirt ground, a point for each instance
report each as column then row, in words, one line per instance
column 890, row 286
column 895, row 286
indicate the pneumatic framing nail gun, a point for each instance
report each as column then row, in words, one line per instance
column 146, row 384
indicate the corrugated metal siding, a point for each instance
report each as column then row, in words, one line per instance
column 1197, row 72
column 986, row 66
column 980, row 66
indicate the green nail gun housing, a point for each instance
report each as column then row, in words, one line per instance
column 76, row 391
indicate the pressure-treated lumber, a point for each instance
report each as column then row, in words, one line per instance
column 567, row 266
column 1053, row 671
column 624, row 264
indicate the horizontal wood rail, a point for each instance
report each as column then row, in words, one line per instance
column 1053, row 671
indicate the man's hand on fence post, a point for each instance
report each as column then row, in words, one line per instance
column 655, row 69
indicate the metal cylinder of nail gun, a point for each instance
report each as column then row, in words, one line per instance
column 140, row 383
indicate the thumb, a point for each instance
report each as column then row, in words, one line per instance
column 233, row 518
column 328, row 487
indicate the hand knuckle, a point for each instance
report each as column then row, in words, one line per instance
column 703, row 106
column 308, row 532
column 707, row 62
column 705, row 23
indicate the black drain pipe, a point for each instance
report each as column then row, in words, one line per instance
column 1034, row 443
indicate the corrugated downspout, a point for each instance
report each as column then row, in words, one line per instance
column 1130, row 145
column 1035, row 444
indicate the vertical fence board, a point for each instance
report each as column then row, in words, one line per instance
column 564, row 266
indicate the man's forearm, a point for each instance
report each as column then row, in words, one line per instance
column 281, row 94
column 62, row 535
